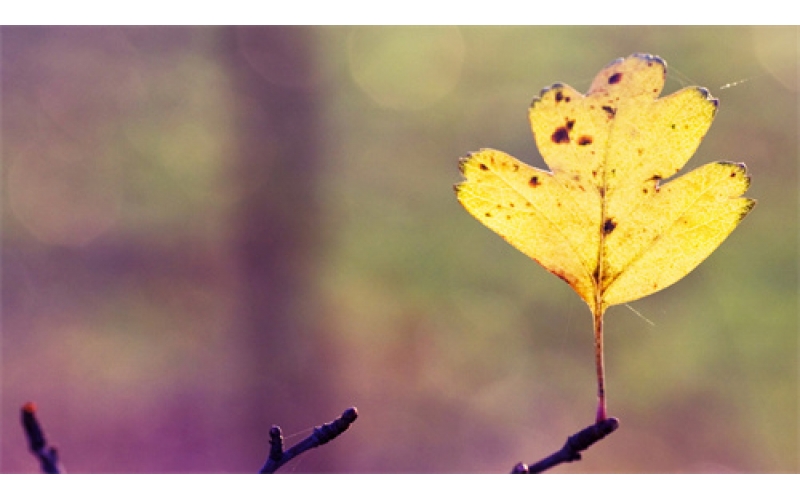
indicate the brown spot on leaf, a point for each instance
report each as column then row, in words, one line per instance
column 483, row 167
column 610, row 111
column 534, row 181
column 584, row 140
column 560, row 136
column 561, row 97
column 615, row 78
column 609, row 225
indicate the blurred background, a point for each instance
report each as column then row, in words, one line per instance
column 210, row 230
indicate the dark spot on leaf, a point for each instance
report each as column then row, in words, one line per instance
column 656, row 178
column 488, row 214
column 511, row 205
column 560, row 136
column 733, row 174
column 559, row 96
column 602, row 190
column 611, row 111
column 584, row 140
column 608, row 226
column 596, row 274
column 645, row 191
column 672, row 126
column 534, row 181
column 483, row 167
column 615, row 78
column 594, row 173
column 640, row 151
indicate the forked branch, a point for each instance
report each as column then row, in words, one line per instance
column 320, row 435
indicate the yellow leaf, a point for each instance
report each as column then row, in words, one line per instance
column 607, row 217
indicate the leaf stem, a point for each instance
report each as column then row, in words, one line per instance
column 598, row 356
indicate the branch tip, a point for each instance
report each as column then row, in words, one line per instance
column 350, row 415
column 275, row 444
column 520, row 468
column 33, row 430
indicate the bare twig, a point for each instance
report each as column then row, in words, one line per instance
column 47, row 455
column 570, row 452
column 572, row 448
column 321, row 435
